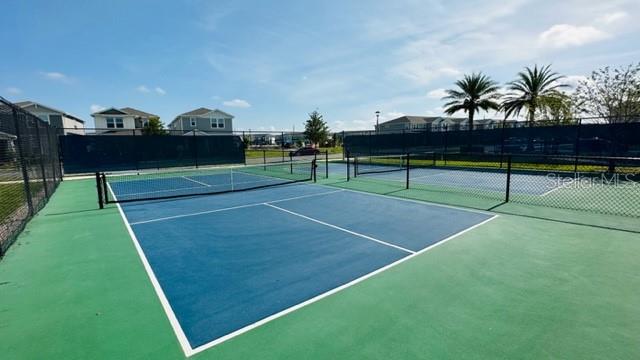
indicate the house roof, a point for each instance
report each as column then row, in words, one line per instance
column 136, row 112
column 25, row 104
column 203, row 111
column 124, row 111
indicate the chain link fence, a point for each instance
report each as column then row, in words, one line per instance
column 609, row 186
column 29, row 169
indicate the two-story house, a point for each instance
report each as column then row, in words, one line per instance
column 125, row 121
column 64, row 122
column 203, row 120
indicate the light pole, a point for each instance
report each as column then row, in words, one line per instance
column 377, row 118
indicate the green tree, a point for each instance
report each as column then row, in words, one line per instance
column 154, row 127
column 534, row 91
column 475, row 92
column 613, row 94
column 316, row 129
column 557, row 110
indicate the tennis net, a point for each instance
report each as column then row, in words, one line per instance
column 140, row 186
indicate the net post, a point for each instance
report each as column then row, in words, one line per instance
column 264, row 159
column 508, row 189
column 291, row 163
column 105, row 190
column 326, row 164
column 314, row 170
column 355, row 166
column 348, row 166
column 99, row 188
column 407, row 185
column 282, row 145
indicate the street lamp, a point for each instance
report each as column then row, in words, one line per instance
column 377, row 117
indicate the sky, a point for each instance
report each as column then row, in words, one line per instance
column 272, row 63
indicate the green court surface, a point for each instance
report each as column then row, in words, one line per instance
column 73, row 287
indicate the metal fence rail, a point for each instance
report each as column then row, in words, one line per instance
column 29, row 169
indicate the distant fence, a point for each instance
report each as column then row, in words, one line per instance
column 29, row 169
column 131, row 151
column 575, row 139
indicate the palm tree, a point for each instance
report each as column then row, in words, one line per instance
column 475, row 92
column 534, row 89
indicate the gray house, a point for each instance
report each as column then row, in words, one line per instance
column 203, row 119
column 66, row 123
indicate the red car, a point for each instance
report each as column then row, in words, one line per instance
column 304, row 151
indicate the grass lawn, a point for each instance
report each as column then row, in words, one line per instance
column 270, row 153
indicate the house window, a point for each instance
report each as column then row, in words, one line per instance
column 193, row 122
column 44, row 117
column 217, row 123
column 115, row 123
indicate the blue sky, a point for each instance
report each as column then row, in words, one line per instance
column 271, row 63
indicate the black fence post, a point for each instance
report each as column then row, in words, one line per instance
column 348, row 166
column 508, row 189
column 446, row 135
column 314, row 168
column 23, row 164
column 576, row 151
column 408, row 171
column 264, row 159
column 291, row 163
column 44, row 174
column 343, row 146
column 195, row 149
column 51, row 149
column 282, row 145
column 100, row 191
column 326, row 164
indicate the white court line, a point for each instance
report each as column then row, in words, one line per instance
column 423, row 202
column 342, row 229
column 182, row 339
column 173, row 320
column 196, row 181
column 194, row 187
column 558, row 187
column 233, row 207
column 329, row 293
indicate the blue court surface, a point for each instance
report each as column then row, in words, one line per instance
column 229, row 262
column 527, row 184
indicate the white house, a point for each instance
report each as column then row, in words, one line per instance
column 203, row 119
column 118, row 121
column 68, row 124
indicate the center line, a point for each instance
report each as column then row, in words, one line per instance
column 196, row 181
column 341, row 229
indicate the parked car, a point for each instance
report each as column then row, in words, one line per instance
column 307, row 150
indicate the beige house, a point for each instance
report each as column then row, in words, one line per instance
column 125, row 121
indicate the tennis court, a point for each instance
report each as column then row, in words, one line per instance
column 275, row 261
column 227, row 263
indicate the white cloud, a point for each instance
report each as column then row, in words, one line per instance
column 143, row 89
column 565, row 35
column 393, row 115
column 160, row 90
column 56, row 76
column 437, row 94
column 239, row 103
column 13, row 90
column 611, row 18
column 572, row 80
column 95, row 108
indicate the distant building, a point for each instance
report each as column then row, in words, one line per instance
column 437, row 123
column 66, row 123
column 7, row 147
column 114, row 121
column 205, row 120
